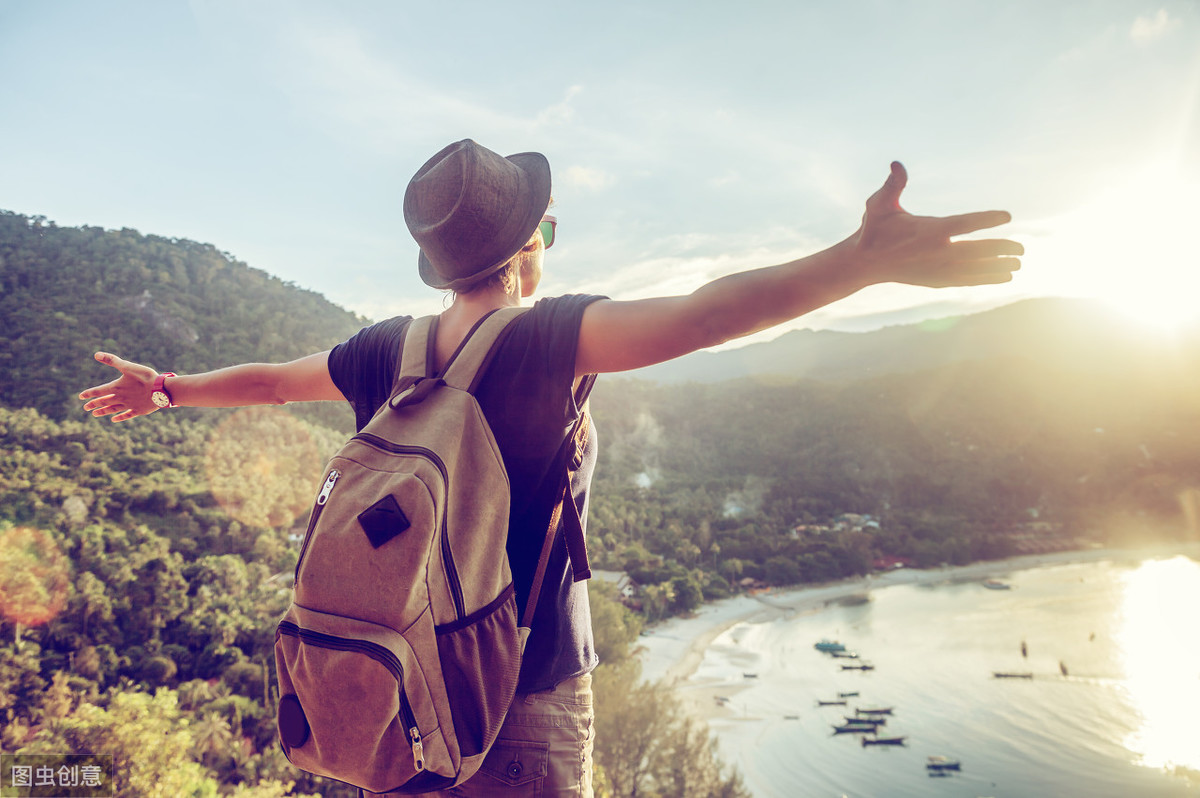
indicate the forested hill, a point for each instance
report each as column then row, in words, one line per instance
column 171, row 303
column 1075, row 334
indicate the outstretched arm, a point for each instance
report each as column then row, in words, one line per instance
column 128, row 396
column 891, row 245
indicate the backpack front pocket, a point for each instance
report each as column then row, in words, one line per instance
column 327, row 728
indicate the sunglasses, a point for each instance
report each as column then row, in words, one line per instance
column 547, row 226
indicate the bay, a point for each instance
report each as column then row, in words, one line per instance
column 1122, row 721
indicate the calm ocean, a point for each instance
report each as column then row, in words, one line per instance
column 1124, row 723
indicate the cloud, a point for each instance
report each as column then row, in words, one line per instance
column 1146, row 29
column 588, row 178
column 561, row 112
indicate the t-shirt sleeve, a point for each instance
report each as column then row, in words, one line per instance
column 364, row 366
column 554, row 335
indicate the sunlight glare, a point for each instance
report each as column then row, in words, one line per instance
column 1133, row 247
column 261, row 463
column 1162, row 661
column 34, row 576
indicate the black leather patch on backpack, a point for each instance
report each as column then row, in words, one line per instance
column 383, row 520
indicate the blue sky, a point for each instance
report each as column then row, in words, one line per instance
column 687, row 140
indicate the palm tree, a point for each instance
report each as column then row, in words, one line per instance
column 212, row 738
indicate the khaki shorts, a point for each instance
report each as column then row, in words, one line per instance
column 544, row 747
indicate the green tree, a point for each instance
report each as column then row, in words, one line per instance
column 147, row 737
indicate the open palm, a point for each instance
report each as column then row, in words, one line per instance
column 893, row 245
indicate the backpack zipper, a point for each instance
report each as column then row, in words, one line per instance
column 381, row 655
column 447, row 556
column 318, row 508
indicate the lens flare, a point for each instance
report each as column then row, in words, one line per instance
column 261, row 464
column 34, row 577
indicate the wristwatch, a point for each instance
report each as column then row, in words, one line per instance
column 159, row 394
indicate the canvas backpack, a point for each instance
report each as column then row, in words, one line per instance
column 399, row 655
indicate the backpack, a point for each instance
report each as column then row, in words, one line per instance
column 399, row 655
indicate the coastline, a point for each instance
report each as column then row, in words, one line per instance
column 671, row 651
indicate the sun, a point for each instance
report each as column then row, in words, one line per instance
column 1133, row 246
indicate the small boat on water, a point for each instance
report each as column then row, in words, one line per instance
column 851, row 728
column 821, row 703
column 829, row 646
column 750, row 675
column 848, row 695
column 883, row 741
column 844, row 654
column 863, row 667
column 1012, row 674
column 996, row 584
column 942, row 763
column 874, row 711
column 880, row 721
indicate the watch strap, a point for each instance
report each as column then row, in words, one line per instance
column 160, row 386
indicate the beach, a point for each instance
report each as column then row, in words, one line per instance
column 671, row 651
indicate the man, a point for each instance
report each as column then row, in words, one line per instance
column 480, row 222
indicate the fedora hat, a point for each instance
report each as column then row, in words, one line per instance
column 470, row 210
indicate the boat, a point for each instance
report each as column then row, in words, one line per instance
column 848, row 695
column 874, row 711
column 1012, row 674
column 996, row 584
column 844, row 654
column 850, row 728
column 863, row 667
column 883, row 741
column 829, row 646
column 942, row 763
column 821, row 703
column 750, row 675
column 865, row 721
column 791, row 717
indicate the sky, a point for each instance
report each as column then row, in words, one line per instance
column 687, row 139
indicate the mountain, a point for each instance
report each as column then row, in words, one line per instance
column 171, row 303
column 1068, row 333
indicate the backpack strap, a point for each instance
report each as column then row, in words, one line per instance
column 416, row 359
column 414, row 371
column 565, row 510
column 470, row 360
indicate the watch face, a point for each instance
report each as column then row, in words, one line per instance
column 159, row 398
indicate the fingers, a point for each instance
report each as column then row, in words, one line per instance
column 136, row 370
column 98, row 391
column 887, row 198
column 970, row 222
column 984, row 271
column 119, row 411
column 986, row 248
column 99, row 403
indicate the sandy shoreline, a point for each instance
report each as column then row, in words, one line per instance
column 672, row 650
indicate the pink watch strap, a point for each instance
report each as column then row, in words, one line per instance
column 160, row 386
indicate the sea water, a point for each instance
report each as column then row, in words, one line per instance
column 1124, row 722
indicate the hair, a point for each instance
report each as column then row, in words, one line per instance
column 506, row 278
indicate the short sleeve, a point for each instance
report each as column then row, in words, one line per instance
column 364, row 366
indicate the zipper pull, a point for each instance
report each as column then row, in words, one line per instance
column 327, row 488
column 418, row 749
